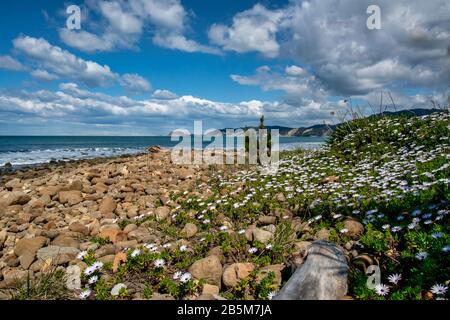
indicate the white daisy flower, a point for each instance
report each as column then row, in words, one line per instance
column 93, row 279
column 177, row 275
column 439, row 289
column 81, row 255
column 135, row 253
column 159, row 263
column 252, row 250
column 185, row 277
column 421, row 255
column 395, row 278
column 271, row 295
column 183, row 248
column 85, row 294
column 381, row 289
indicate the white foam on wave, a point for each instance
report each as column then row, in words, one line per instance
column 18, row 158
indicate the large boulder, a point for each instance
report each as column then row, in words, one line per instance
column 108, row 205
column 15, row 198
column 262, row 235
column 322, row 277
column 209, row 269
column 58, row 255
column 354, row 228
column 162, row 213
column 189, row 230
column 236, row 272
column 26, row 250
column 70, row 197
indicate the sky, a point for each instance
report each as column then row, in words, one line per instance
column 147, row 67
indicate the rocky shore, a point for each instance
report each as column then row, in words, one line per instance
column 52, row 216
column 142, row 227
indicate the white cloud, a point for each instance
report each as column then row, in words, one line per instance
column 164, row 94
column 52, row 63
column 135, row 84
column 86, row 41
column 331, row 38
column 9, row 63
column 43, row 75
column 252, row 30
column 63, row 63
column 72, row 104
column 119, row 19
column 294, row 71
column 121, row 24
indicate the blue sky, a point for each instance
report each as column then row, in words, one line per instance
column 143, row 67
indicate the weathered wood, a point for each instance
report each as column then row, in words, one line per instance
column 322, row 277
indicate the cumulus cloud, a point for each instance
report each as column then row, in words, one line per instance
column 9, row 63
column 164, row 94
column 135, row 84
column 52, row 63
column 251, row 30
column 121, row 24
column 63, row 63
column 331, row 38
column 43, row 75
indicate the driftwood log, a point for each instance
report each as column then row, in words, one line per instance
column 322, row 277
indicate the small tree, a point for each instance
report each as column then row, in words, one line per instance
column 269, row 138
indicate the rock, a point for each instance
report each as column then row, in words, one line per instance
column 26, row 250
column 162, row 213
column 118, row 259
column 65, row 241
column 79, row 227
column 189, row 230
column 217, row 251
column 107, row 249
column 354, row 228
column 236, row 272
column 159, row 296
column 108, row 205
column 107, row 259
column 115, row 291
column 302, row 246
column 13, row 184
column 265, row 220
column 129, row 228
column 15, row 198
column 261, row 235
column 154, row 149
column 70, row 197
column 14, row 277
column 280, row 197
column 58, row 255
column 114, row 235
column 209, row 269
column 3, row 236
column 210, row 289
column 73, row 277
column 76, row 185
column 275, row 268
column 323, row 234
column 141, row 234
column 322, row 277
column 330, row 179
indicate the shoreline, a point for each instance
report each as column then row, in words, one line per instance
column 9, row 168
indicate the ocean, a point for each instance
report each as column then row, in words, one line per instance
column 27, row 150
